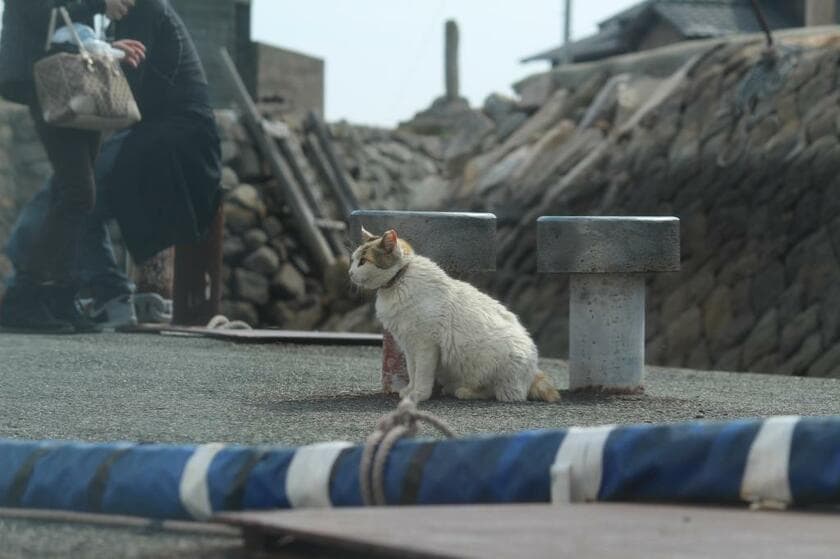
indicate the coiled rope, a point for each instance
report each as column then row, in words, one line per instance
column 402, row 422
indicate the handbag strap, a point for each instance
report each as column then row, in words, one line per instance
column 65, row 15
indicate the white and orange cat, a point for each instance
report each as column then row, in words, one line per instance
column 451, row 333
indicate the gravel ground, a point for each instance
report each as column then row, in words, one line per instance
column 178, row 390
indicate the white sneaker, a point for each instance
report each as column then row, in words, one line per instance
column 117, row 313
column 152, row 308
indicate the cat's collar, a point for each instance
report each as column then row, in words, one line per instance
column 396, row 278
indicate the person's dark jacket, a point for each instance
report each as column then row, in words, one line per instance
column 165, row 185
column 25, row 24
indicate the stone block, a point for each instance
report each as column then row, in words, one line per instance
column 457, row 242
column 608, row 244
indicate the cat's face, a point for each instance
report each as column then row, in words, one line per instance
column 377, row 260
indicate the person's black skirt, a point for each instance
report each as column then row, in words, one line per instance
column 164, row 187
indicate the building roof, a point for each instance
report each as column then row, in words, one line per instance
column 692, row 19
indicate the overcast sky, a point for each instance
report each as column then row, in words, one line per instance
column 384, row 58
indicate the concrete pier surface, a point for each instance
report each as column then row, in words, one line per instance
column 192, row 390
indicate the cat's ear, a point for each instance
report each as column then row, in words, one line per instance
column 389, row 241
column 367, row 236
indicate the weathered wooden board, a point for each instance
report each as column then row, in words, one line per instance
column 581, row 531
column 280, row 336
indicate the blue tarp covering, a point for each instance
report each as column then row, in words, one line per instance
column 700, row 462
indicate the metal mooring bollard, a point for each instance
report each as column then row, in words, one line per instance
column 457, row 242
column 607, row 257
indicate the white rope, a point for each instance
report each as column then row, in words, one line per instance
column 389, row 429
column 221, row 322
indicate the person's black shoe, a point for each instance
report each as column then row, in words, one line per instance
column 24, row 310
column 61, row 301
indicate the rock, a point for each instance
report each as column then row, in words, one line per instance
column 796, row 331
column 248, row 197
column 362, row 319
column 802, row 359
column 829, row 317
column 510, row 124
column 280, row 248
column 763, row 339
column 790, row 302
column 498, row 107
column 239, row 219
column 768, row 286
column 229, row 179
column 263, row 261
column 240, row 310
column 396, row 151
column 304, row 317
column 251, row 286
column 255, row 238
column 272, row 226
column 301, row 264
column 232, row 248
column 828, row 365
column 534, row 91
column 717, row 313
column 699, row 357
column 729, row 361
column 471, row 128
column 428, row 194
column 768, row 364
column 230, row 151
column 684, row 333
column 288, row 283
column 545, row 118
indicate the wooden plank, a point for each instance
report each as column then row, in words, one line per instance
column 289, row 148
column 343, row 190
column 600, row 530
column 278, row 336
column 311, row 235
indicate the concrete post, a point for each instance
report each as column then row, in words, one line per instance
column 453, row 88
column 607, row 257
column 820, row 12
column 458, row 242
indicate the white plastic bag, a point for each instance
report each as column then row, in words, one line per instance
column 89, row 40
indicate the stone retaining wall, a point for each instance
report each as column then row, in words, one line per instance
column 754, row 179
column 23, row 170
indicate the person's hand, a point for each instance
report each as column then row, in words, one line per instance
column 135, row 51
column 118, row 9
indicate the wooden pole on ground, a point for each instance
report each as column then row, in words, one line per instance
column 310, row 233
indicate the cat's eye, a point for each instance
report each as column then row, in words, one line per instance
column 362, row 262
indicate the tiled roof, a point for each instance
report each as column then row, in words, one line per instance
column 693, row 19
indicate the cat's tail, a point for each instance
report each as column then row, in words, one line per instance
column 542, row 390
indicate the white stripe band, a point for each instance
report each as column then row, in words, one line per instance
column 766, row 473
column 578, row 466
column 308, row 477
column 193, row 490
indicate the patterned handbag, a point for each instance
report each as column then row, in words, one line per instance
column 84, row 90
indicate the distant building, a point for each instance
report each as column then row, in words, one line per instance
column 282, row 81
column 655, row 23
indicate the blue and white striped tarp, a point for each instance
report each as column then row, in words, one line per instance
column 787, row 460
